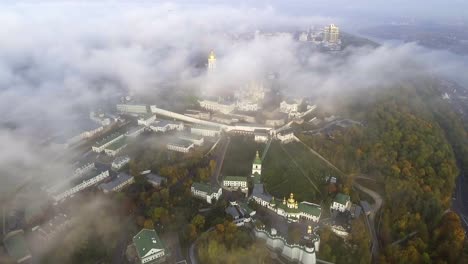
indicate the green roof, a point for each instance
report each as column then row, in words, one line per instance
column 342, row 198
column 257, row 159
column 246, row 207
column 310, row 208
column 16, row 246
column 146, row 240
column 235, row 178
column 117, row 144
column 107, row 139
column 285, row 207
column 204, row 187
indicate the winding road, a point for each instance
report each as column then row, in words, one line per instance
column 378, row 201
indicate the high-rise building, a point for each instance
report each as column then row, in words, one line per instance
column 211, row 61
column 331, row 33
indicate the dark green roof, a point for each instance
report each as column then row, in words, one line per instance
column 16, row 246
column 146, row 240
column 117, row 144
column 342, row 198
column 204, row 187
column 257, row 159
column 235, row 178
column 310, row 208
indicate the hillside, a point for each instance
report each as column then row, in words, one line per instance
column 411, row 144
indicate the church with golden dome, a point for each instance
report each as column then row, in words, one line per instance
column 211, row 61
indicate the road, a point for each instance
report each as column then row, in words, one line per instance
column 221, row 153
column 192, row 256
column 378, row 201
column 460, row 199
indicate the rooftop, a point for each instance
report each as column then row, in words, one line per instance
column 155, row 178
column 16, row 245
column 207, row 188
column 164, row 122
column 235, row 178
column 146, row 240
column 259, row 192
column 107, row 139
column 261, row 132
column 117, row 144
column 121, row 178
column 121, row 159
column 310, row 208
column 181, row 143
column 257, row 159
column 213, row 128
column 342, row 198
column 191, row 136
column 69, row 183
column 135, row 129
column 147, row 116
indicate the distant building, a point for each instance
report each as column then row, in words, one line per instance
column 100, row 118
column 206, row 131
column 16, row 246
column 166, row 125
column 91, row 132
column 290, row 208
column 117, row 184
column 331, row 33
column 240, row 214
column 235, row 183
column 135, row 131
column 206, row 192
column 120, row 162
column 224, row 108
column 68, row 188
column 257, row 165
column 342, row 202
column 286, row 136
column 102, row 144
column 115, row 148
column 53, row 227
column 197, row 140
column 146, row 119
column 290, row 106
column 211, row 61
column 198, row 114
column 261, row 135
column 154, row 179
column 245, row 105
column 149, row 247
column 180, row 145
column 132, row 109
column 224, row 118
column 260, row 196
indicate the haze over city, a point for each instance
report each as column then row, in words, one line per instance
column 125, row 121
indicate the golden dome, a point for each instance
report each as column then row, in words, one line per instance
column 291, row 199
column 212, row 56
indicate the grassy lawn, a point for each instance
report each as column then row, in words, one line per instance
column 292, row 168
column 240, row 155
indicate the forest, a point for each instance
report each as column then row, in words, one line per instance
column 415, row 145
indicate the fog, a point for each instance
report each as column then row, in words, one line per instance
column 58, row 60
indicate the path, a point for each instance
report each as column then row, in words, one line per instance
column 192, row 257
column 219, row 162
column 378, row 201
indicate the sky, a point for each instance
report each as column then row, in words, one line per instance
column 59, row 59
